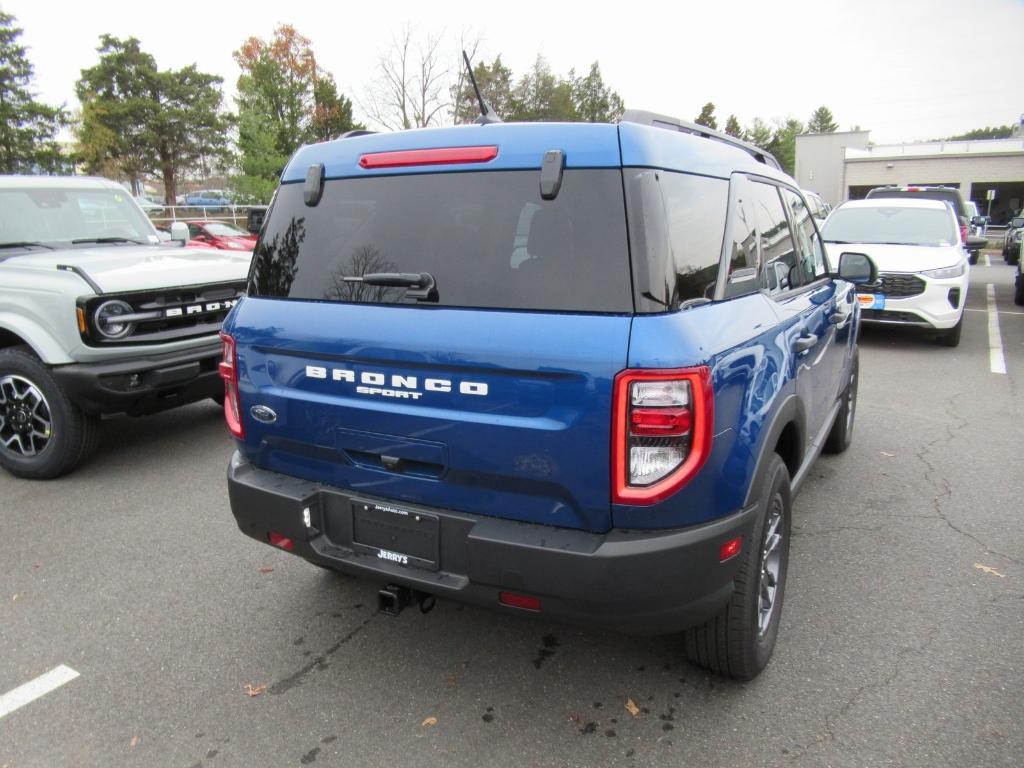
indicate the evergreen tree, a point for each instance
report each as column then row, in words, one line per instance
column 732, row 127
column 27, row 127
column 783, row 143
column 707, row 117
column 822, row 121
column 594, row 101
column 759, row 133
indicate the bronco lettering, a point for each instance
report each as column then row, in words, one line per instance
column 396, row 385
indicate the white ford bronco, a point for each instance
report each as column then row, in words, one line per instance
column 98, row 316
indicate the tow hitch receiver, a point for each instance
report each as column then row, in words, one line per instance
column 393, row 599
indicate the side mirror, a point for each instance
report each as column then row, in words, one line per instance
column 857, row 268
column 978, row 221
column 179, row 232
column 165, row 237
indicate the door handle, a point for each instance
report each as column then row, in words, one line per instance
column 803, row 343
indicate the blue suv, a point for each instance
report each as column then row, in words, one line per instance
column 576, row 370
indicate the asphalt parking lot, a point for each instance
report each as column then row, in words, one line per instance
column 902, row 638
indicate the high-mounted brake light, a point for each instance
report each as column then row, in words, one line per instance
column 661, row 432
column 228, row 370
column 442, row 156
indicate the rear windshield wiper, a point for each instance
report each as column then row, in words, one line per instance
column 422, row 285
column 107, row 240
column 26, row 244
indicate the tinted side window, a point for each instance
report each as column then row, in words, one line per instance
column 677, row 221
column 487, row 238
column 741, row 247
column 778, row 252
column 811, row 256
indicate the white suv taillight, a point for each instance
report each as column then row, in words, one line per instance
column 661, row 433
column 228, row 370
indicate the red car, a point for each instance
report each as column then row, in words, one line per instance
column 217, row 234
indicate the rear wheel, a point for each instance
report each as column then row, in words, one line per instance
column 739, row 641
column 42, row 433
column 973, row 257
column 1018, row 293
column 841, row 434
column 1012, row 256
column 951, row 336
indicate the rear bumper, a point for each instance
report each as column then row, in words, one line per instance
column 640, row 582
column 144, row 384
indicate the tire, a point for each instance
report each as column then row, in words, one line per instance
column 218, row 399
column 951, row 336
column 42, row 433
column 739, row 641
column 1012, row 257
column 972, row 257
column 841, row 434
column 1018, row 291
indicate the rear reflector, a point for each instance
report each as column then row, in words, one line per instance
column 730, row 549
column 443, row 156
column 515, row 600
column 280, row 541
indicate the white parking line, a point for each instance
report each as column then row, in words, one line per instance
column 1004, row 312
column 34, row 689
column 996, row 361
column 985, row 260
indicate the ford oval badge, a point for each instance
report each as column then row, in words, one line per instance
column 263, row 414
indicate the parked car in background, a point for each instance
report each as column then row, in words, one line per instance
column 97, row 316
column 217, row 234
column 540, row 367
column 148, row 205
column 951, row 195
column 976, row 222
column 922, row 272
column 819, row 208
column 1012, row 238
column 208, row 198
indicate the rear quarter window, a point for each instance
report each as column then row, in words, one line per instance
column 488, row 239
column 677, row 222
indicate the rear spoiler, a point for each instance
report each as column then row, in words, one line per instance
column 642, row 117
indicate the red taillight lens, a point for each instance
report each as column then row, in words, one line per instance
column 228, row 370
column 515, row 600
column 281, row 541
column 730, row 549
column 442, row 156
column 963, row 233
column 661, row 433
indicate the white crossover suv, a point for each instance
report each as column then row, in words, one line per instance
column 922, row 270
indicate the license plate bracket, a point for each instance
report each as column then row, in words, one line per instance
column 397, row 535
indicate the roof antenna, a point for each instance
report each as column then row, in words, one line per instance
column 487, row 113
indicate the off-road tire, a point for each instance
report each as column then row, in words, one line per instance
column 841, row 434
column 74, row 435
column 731, row 644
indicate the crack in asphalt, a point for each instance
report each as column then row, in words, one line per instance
column 320, row 662
column 932, row 477
column 827, row 733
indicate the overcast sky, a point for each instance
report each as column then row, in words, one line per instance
column 908, row 70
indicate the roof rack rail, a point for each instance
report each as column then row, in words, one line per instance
column 643, row 117
column 357, row 132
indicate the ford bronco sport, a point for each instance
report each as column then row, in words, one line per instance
column 576, row 370
column 97, row 316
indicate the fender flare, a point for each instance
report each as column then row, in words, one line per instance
column 41, row 341
column 790, row 411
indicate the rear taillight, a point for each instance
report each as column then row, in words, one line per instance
column 661, row 434
column 229, row 372
column 963, row 233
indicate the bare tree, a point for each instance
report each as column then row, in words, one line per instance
column 413, row 87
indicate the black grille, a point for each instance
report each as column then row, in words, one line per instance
column 176, row 313
column 889, row 316
column 896, row 285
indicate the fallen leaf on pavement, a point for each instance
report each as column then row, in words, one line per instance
column 986, row 569
column 451, row 681
column 14, row 598
column 266, row 570
column 632, row 708
column 133, row 742
column 890, row 455
column 429, row 721
column 575, row 717
column 254, row 690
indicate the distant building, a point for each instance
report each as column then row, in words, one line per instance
column 843, row 166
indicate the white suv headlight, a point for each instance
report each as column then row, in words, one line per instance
column 945, row 272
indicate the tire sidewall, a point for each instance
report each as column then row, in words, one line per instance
column 777, row 487
column 58, row 451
